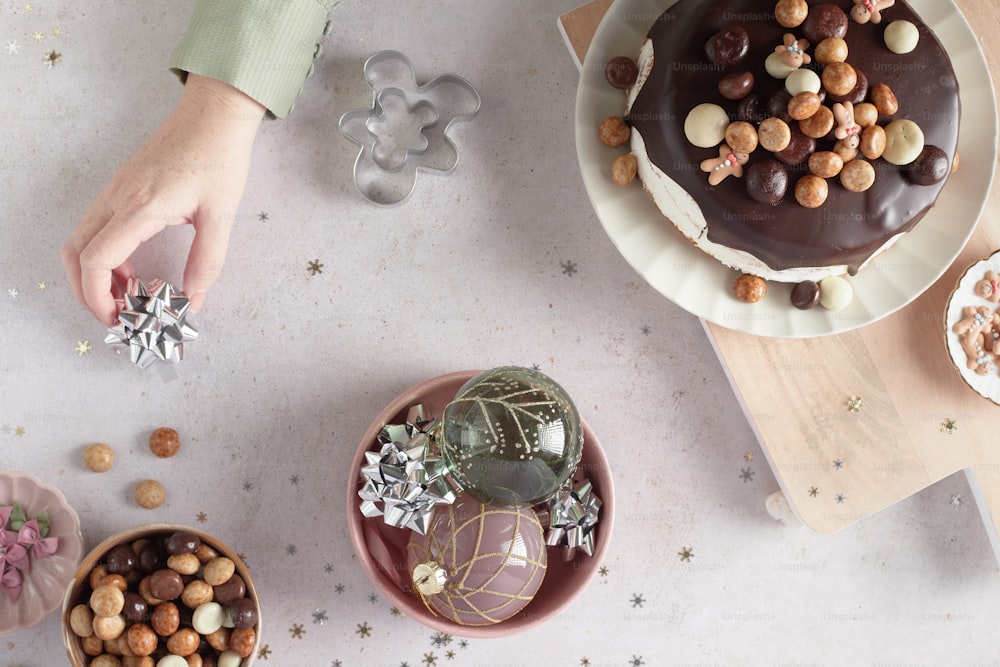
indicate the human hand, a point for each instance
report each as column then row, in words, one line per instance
column 191, row 170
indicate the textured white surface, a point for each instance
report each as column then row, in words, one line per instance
column 500, row 262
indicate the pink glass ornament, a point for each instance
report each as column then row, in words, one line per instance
column 478, row 564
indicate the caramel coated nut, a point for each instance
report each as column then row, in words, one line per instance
column 97, row 576
column 92, row 645
column 624, row 168
column 116, row 580
column 106, row 660
column 614, row 131
column 825, row 164
column 166, row 619
column 219, row 640
column 150, row 494
column 98, row 457
column 197, row 593
column 242, row 641
column 741, row 137
column 819, row 124
column 865, row 114
column 749, row 288
column 845, row 150
column 194, row 660
column 791, row 13
column 884, row 99
column 872, row 142
column 108, row 627
column 184, row 642
column 107, row 600
column 803, row 105
column 147, row 594
column 857, row 175
column 184, row 563
column 811, row 191
column 118, row 645
column 774, row 134
column 138, row 661
column 831, row 50
column 164, row 442
column 206, row 553
column 141, row 639
column 839, row 78
column 81, row 621
column 219, row 570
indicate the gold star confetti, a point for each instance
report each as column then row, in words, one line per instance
column 28, row 6
column 264, row 652
column 364, row 630
column 57, row 31
column 748, row 457
column 19, row 431
column 813, row 491
column 854, row 404
column 686, row 554
column 42, row 286
column 396, row 611
column 52, row 59
column 38, row 36
column 603, row 571
column 949, row 426
column 315, row 267
column 297, row 630
column 83, row 347
column 202, row 517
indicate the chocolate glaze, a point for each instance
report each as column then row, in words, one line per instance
column 850, row 227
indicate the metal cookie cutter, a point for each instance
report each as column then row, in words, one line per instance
column 406, row 129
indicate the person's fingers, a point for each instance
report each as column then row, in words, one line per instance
column 108, row 251
column 206, row 257
column 70, row 256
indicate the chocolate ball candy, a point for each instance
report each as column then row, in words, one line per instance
column 244, row 613
column 825, row 164
column 823, row 22
column 166, row 584
column 872, row 142
column 182, row 542
column 121, row 559
column 819, row 124
column 767, row 181
column 805, row 295
column 705, row 125
column 736, row 85
column 811, row 191
column 135, row 608
column 218, row 571
column 750, row 109
column 839, row 78
column 901, row 36
column 835, row 293
column 729, row 46
column 621, row 72
column 831, row 50
column 99, row 457
column 142, row 640
column 242, row 641
column 931, row 166
column 774, row 134
column 152, row 557
column 799, row 148
column 106, row 600
column 150, row 494
column 231, row 591
column 803, row 105
column 166, row 619
column 777, row 105
column 791, row 13
column 884, row 99
column 904, row 141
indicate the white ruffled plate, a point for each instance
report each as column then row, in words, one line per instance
column 701, row 285
column 43, row 588
column 987, row 386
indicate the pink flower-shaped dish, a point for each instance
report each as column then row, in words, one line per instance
column 381, row 548
column 43, row 587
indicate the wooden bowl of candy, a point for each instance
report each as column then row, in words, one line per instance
column 169, row 595
column 389, row 555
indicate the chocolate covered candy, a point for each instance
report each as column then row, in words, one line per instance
column 767, row 181
column 728, row 47
column 931, row 166
column 621, row 72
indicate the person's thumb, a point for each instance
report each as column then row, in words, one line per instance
column 206, row 257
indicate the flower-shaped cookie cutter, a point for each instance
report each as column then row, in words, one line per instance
column 406, row 128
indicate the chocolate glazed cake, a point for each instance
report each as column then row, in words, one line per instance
column 786, row 241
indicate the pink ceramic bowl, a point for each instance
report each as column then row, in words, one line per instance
column 381, row 549
column 42, row 589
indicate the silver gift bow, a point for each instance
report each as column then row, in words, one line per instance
column 572, row 519
column 402, row 482
column 152, row 323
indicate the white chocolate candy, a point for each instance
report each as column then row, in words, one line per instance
column 172, row 661
column 901, row 36
column 835, row 293
column 903, row 142
column 208, row 617
column 228, row 659
column 778, row 68
column 705, row 125
column 802, row 80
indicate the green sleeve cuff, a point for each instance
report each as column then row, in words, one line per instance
column 262, row 48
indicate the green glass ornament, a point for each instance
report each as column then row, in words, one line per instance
column 511, row 436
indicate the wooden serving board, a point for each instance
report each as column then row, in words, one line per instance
column 917, row 421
